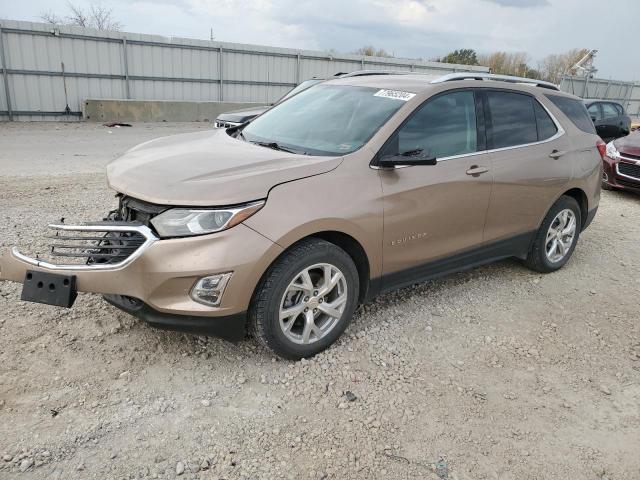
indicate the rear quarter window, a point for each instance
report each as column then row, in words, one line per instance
column 576, row 112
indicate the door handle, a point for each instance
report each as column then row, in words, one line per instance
column 476, row 170
column 556, row 154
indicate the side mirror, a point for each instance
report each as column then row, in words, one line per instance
column 414, row 157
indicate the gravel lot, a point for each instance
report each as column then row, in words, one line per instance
column 496, row 373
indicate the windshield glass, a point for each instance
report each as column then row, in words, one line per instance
column 324, row 120
column 303, row 86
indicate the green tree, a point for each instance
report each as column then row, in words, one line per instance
column 464, row 56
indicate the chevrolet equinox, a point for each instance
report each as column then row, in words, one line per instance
column 354, row 187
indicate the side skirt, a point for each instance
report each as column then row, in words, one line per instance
column 517, row 246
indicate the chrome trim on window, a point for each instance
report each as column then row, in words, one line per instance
column 557, row 135
column 145, row 231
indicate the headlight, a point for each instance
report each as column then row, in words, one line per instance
column 183, row 222
column 612, row 151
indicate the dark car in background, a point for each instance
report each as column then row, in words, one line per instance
column 609, row 117
column 238, row 117
column 622, row 164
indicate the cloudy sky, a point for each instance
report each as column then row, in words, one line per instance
column 408, row 28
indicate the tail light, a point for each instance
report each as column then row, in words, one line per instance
column 602, row 148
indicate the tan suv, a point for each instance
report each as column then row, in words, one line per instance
column 353, row 187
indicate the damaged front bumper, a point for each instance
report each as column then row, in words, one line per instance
column 152, row 278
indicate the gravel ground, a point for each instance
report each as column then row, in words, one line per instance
column 496, row 373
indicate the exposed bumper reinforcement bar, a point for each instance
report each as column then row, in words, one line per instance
column 100, row 227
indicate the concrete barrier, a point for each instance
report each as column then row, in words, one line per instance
column 156, row 110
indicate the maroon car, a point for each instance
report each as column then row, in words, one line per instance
column 622, row 163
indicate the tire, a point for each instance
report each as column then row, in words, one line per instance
column 281, row 289
column 538, row 258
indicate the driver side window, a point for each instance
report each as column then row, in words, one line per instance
column 442, row 127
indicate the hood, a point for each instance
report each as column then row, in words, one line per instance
column 208, row 168
column 243, row 115
column 629, row 144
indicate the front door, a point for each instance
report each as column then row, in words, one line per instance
column 432, row 212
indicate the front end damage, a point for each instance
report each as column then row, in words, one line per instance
column 123, row 259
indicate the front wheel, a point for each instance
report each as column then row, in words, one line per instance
column 557, row 236
column 305, row 300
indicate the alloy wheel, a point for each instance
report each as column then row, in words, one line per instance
column 313, row 303
column 561, row 235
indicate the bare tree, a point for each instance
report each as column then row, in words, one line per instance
column 506, row 63
column 52, row 18
column 371, row 51
column 96, row 16
column 552, row 67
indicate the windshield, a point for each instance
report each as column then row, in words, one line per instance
column 303, row 86
column 324, row 120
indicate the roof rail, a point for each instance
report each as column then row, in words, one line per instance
column 361, row 73
column 490, row 76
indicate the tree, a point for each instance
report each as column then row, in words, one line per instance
column 95, row 16
column 507, row 63
column 370, row 51
column 554, row 66
column 464, row 56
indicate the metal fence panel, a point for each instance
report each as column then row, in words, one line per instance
column 50, row 68
column 625, row 93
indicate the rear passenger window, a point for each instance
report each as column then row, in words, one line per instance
column 609, row 111
column 513, row 119
column 546, row 127
column 575, row 110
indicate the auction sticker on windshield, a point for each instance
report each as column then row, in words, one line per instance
column 395, row 94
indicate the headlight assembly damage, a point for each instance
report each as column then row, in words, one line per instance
column 612, row 152
column 183, row 222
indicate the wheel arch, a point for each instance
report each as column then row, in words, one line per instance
column 579, row 196
column 357, row 253
column 347, row 243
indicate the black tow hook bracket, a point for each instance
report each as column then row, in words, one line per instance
column 49, row 288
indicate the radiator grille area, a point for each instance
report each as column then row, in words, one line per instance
column 629, row 169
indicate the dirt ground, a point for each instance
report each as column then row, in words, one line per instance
column 496, row 373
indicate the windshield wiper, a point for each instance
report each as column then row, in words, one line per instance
column 276, row 146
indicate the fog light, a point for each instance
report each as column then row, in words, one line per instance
column 209, row 290
column 605, row 177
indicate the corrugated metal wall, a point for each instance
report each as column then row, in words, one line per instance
column 49, row 68
column 625, row 93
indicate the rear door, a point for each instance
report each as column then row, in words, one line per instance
column 612, row 121
column 433, row 211
column 595, row 112
column 530, row 162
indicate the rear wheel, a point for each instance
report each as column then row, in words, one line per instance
column 557, row 236
column 305, row 300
